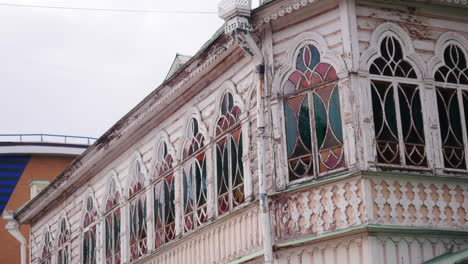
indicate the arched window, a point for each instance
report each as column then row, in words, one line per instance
column 89, row 232
column 314, row 136
column 397, row 108
column 112, row 225
column 138, row 228
column 194, row 178
column 46, row 251
column 229, row 165
column 452, row 101
column 164, row 194
column 63, row 253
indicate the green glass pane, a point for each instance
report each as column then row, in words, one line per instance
column 240, row 153
column 185, row 187
column 455, row 119
column 390, row 112
column 198, row 178
column 321, row 121
column 85, row 250
column 291, row 128
column 224, row 186
column 417, row 113
column 190, row 194
column 116, row 231
column 107, row 234
column 92, row 247
column 443, row 116
column 233, row 160
column 219, row 168
column 304, row 123
column 171, row 200
column 334, row 112
column 203, row 184
column 377, row 108
column 404, row 96
column 144, row 212
column 140, row 216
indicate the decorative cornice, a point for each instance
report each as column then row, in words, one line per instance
column 286, row 10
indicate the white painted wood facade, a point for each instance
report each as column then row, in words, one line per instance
column 362, row 213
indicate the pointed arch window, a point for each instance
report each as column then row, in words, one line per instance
column 452, row 102
column 397, row 108
column 229, row 151
column 314, row 136
column 46, row 251
column 138, row 228
column 63, row 252
column 194, row 178
column 112, row 225
column 89, row 232
column 164, row 195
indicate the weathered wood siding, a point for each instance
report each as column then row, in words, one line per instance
column 424, row 23
column 382, row 249
column 239, row 80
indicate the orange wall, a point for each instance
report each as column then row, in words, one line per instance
column 38, row 168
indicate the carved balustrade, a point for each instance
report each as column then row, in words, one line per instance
column 232, row 237
column 371, row 200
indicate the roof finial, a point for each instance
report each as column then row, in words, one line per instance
column 236, row 13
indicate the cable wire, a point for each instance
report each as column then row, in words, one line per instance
column 111, row 10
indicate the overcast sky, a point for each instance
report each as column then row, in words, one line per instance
column 77, row 72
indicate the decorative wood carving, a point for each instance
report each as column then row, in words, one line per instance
column 230, row 239
column 422, row 204
column 319, row 210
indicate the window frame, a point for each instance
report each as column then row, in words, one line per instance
column 370, row 56
column 395, row 82
column 459, row 88
column 88, row 228
column 225, row 135
column 325, row 57
column 169, row 172
column 48, row 258
column 132, row 198
column 110, row 212
column 188, row 163
column 65, row 246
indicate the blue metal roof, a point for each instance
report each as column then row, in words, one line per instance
column 11, row 170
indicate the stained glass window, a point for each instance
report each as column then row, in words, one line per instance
column 63, row 253
column 229, row 164
column 89, row 232
column 138, row 228
column 112, row 225
column 314, row 137
column 164, row 195
column 397, row 108
column 194, row 178
column 46, row 251
column 452, row 101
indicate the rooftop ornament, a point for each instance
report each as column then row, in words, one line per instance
column 236, row 13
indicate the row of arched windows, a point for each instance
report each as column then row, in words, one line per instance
column 398, row 107
column 314, row 146
column 63, row 245
column 229, row 188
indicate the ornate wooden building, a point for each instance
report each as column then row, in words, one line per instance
column 304, row 131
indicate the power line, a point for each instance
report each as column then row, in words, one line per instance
column 111, row 10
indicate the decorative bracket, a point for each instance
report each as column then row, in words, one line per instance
column 245, row 41
column 236, row 13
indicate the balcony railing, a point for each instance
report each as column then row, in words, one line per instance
column 47, row 138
